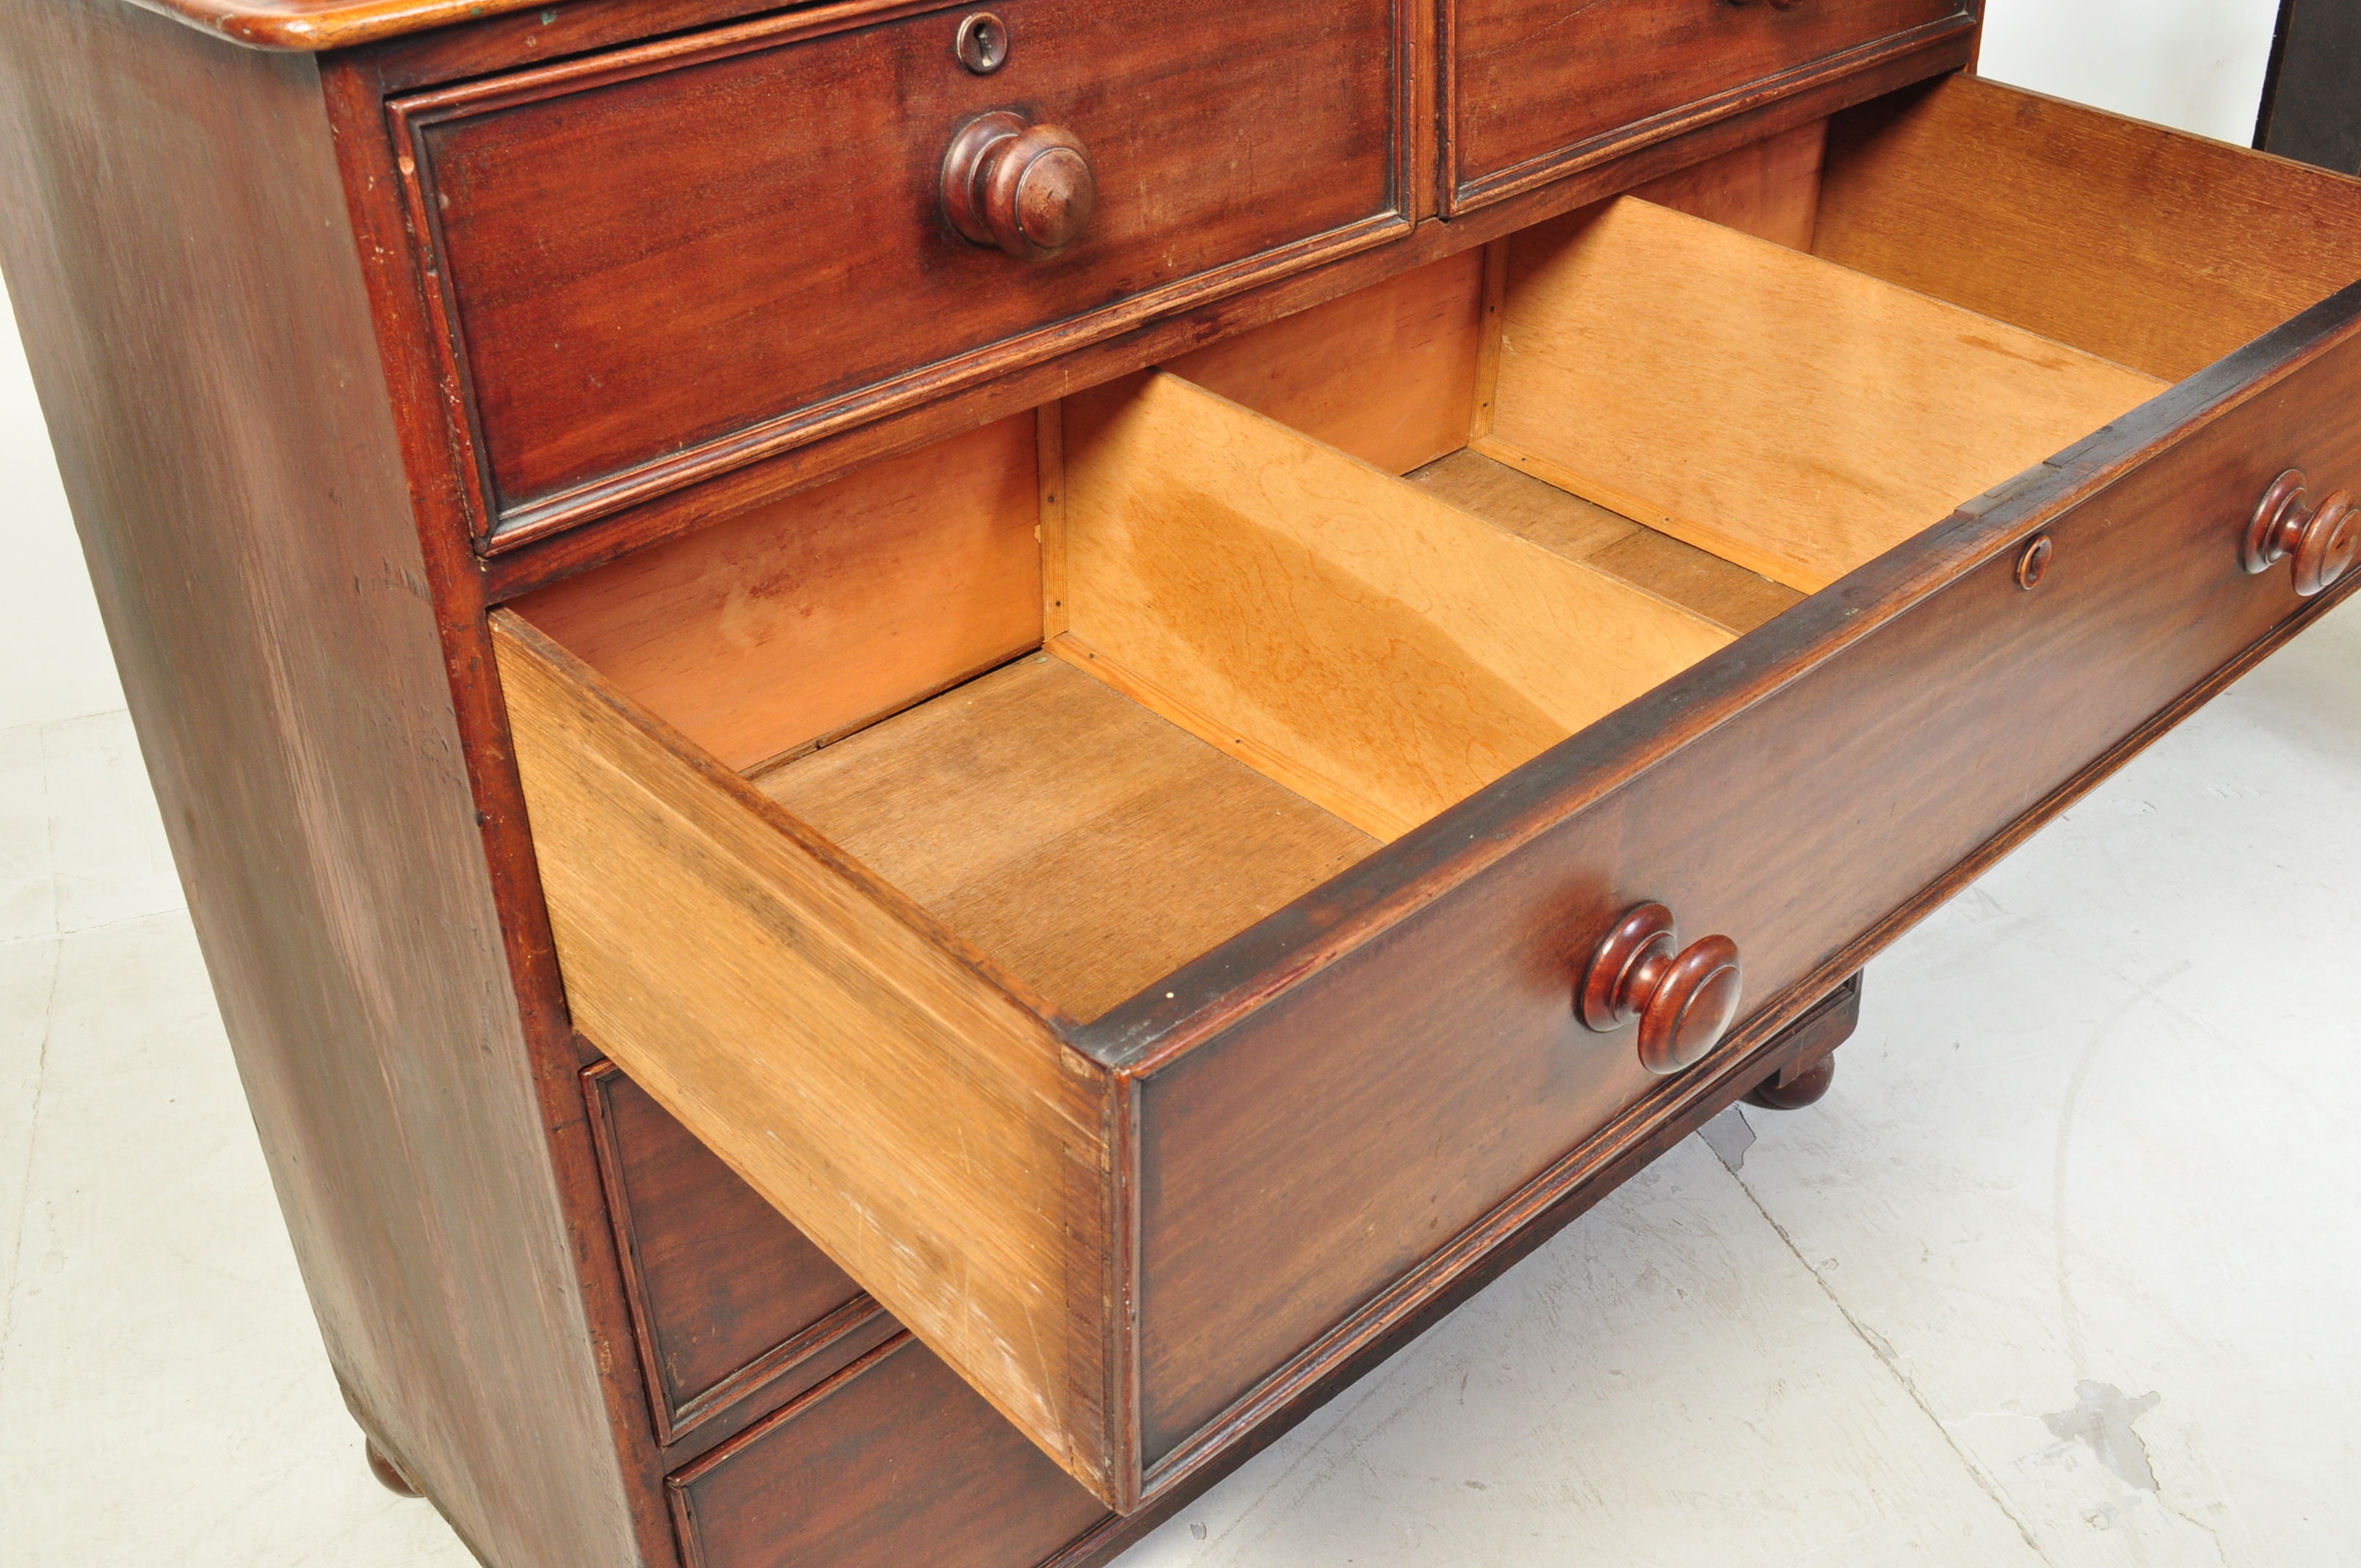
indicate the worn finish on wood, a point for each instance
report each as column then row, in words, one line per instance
column 728, row 1298
column 1793, row 417
column 826, row 610
column 2159, row 251
column 535, row 35
column 1435, row 969
column 1533, row 88
column 1026, row 188
column 1378, row 652
column 1728, row 594
column 675, row 259
column 1386, row 374
column 913, row 1116
column 314, row 24
column 234, row 472
column 1085, row 844
column 895, row 1465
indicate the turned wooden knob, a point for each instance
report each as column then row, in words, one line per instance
column 1685, row 1000
column 1026, row 189
column 2322, row 539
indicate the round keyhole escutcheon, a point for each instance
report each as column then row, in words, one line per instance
column 2033, row 561
column 981, row 43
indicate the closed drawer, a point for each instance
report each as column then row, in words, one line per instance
column 682, row 256
column 733, row 1309
column 1533, row 88
column 1150, row 1021
column 895, row 1463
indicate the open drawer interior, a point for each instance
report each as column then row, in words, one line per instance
column 879, row 827
column 1102, row 686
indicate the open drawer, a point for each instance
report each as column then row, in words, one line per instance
column 1126, row 883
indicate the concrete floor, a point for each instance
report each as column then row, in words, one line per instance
column 2061, row 1272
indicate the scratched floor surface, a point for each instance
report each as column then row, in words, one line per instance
column 2061, row 1272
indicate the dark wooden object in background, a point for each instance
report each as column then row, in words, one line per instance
column 2311, row 95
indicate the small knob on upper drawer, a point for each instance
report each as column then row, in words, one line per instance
column 2322, row 539
column 1026, row 189
column 1685, row 1000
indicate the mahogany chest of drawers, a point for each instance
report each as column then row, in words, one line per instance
column 931, row 756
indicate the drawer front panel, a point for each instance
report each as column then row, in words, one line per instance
column 1531, row 87
column 685, row 255
column 728, row 1298
column 1925, row 707
column 896, row 1464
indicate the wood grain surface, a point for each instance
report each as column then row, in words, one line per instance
column 1387, row 373
column 1375, row 650
column 728, row 1298
column 915, row 1119
column 1726, row 595
column 666, row 259
column 825, row 610
column 1084, row 843
column 1792, row 416
column 183, row 261
column 895, row 1465
column 315, row 25
column 523, row 559
column 2157, row 250
column 1428, row 988
column 1770, row 190
column 1531, row 86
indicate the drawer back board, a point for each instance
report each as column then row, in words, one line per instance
column 655, row 263
column 1150, row 1022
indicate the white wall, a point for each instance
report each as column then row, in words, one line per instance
column 2197, row 64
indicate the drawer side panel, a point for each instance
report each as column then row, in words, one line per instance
column 932, row 1137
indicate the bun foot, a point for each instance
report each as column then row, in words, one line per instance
column 1794, row 1088
column 388, row 1473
